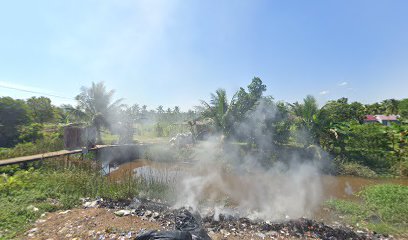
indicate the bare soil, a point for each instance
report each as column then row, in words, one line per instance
column 102, row 223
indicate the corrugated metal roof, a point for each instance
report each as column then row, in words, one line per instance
column 386, row 118
column 370, row 118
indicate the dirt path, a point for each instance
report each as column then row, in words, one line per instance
column 102, row 223
column 91, row 223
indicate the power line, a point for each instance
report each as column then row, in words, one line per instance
column 46, row 94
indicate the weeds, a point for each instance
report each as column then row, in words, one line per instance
column 384, row 208
column 55, row 186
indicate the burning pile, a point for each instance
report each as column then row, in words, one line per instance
column 185, row 224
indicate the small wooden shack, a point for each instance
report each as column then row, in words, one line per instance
column 79, row 136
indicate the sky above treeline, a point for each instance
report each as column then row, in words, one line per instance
column 170, row 52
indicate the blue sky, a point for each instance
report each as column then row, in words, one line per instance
column 173, row 52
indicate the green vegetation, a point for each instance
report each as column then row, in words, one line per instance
column 383, row 208
column 95, row 107
column 259, row 125
column 338, row 128
column 355, row 169
column 50, row 140
column 53, row 187
column 277, row 129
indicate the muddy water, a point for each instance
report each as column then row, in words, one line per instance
column 343, row 187
column 238, row 187
column 339, row 187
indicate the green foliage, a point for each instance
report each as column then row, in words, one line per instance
column 220, row 112
column 355, row 169
column 52, row 188
column 40, row 109
column 50, row 142
column 95, row 106
column 389, row 201
column 341, row 111
column 403, row 108
column 225, row 115
column 13, row 115
column 347, row 207
column 368, row 144
column 384, row 208
column 31, row 133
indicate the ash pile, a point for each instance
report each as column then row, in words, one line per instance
column 185, row 224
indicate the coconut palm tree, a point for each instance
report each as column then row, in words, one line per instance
column 96, row 106
column 391, row 106
column 219, row 110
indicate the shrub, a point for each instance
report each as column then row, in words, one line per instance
column 355, row 169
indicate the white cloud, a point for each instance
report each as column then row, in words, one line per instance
column 325, row 92
column 343, row 84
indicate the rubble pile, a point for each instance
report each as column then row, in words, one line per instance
column 299, row 228
column 180, row 221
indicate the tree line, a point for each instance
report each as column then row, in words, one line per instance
column 248, row 117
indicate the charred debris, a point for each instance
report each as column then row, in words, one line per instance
column 185, row 224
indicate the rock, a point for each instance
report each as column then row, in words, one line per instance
column 225, row 232
column 40, row 221
column 33, row 230
column 135, row 203
column 148, row 213
column 122, row 213
column 272, row 233
column 156, row 215
column 261, row 235
column 91, row 233
column 92, row 204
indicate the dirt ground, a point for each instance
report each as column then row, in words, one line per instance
column 102, row 223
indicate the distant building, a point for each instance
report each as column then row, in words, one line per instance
column 370, row 119
column 387, row 120
column 383, row 119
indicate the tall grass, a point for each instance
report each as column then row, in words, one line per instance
column 59, row 184
column 383, row 208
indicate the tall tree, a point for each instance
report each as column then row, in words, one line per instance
column 13, row 115
column 307, row 109
column 219, row 111
column 244, row 101
column 41, row 109
column 391, row 106
column 305, row 118
column 97, row 105
column 403, row 108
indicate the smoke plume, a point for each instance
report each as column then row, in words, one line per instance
column 226, row 178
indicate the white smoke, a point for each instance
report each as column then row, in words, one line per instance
column 224, row 177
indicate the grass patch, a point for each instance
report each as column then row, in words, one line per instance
column 383, row 208
column 55, row 187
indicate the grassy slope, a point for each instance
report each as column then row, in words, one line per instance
column 384, row 209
